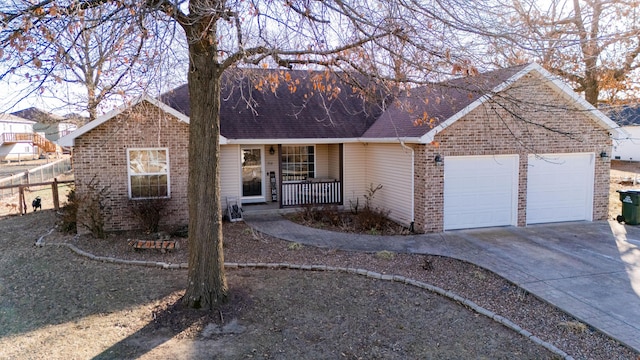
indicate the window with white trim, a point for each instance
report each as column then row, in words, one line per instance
column 148, row 170
column 298, row 162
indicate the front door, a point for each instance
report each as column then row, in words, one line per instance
column 252, row 171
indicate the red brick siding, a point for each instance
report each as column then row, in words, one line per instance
column 102, row 152
column 531, row 118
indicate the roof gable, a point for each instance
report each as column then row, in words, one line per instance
column 434, row 104
column 443, row 104
column 69, row 139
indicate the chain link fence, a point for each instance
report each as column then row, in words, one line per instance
column 39, row 174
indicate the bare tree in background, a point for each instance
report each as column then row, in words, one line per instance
column 89, row 61
column 592, row 44
column 395, row 41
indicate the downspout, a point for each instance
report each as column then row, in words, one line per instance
column 413, row 193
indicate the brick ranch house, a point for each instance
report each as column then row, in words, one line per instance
column 510, row 147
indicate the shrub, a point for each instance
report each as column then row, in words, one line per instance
column 371, row 219
column 68, row 223
column 148, row 212
column 327, row 214
column 371, row 193
column 94, row 211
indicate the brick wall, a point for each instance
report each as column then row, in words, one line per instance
column 102, row 152
column 529, row 118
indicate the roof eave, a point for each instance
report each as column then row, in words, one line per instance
column 408, row 140
column 598, row 116
column 431, row 134
column 405, row 140
column 290, row 141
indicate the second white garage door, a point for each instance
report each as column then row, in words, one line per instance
column 480, row 191
column 560, row 187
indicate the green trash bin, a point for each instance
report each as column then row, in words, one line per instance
column 630, row 207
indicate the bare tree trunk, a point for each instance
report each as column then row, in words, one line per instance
column 207, row 285
column 591, row 87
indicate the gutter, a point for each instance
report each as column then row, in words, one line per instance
column 413, row 187
column 412, row 140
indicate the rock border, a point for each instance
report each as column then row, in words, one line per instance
column 355, row 271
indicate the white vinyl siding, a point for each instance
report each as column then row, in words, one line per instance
column 628, row 148
column 560, row 187
column 480, row 191
column 354, row 168
column 334, row 161
column 322, row 161
column 390, row 165
column 230, row 185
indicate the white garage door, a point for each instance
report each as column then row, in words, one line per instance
column 560, row 187
column 480, row 191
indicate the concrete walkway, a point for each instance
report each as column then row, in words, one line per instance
column 590, row 270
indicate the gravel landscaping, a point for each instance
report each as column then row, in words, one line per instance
column 56, row 304
column 82, row 308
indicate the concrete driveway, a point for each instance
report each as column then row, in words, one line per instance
column 590, row 270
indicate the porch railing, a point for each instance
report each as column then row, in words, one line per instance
column 311, row 193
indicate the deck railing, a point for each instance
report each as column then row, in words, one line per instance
column 16, row 137
column 42, row 142
column 311, row 193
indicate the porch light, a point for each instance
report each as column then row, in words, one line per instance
column 604, row 154
column 438, row 159
column 272, row 150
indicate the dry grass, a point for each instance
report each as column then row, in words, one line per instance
column 575, row 326
column 9, row 204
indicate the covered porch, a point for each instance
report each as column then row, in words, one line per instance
column 291, row 175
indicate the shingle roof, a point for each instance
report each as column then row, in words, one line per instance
column 437, row 102
column 326, row 106
column 624, row 115
column 8, row 118
column 250, row 113
column 320, row 106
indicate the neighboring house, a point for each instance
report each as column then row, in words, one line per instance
column 509, row 147
column 627, row 117
column 51, row 126
column 16, row 138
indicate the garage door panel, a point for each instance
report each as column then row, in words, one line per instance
column 480, row 191
column 560, row 187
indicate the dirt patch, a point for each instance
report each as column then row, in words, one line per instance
column 54, row 305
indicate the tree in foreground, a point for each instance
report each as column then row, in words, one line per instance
column 592, row 44
column 389, row 42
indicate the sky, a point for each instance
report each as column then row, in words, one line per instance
column 12, row 99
